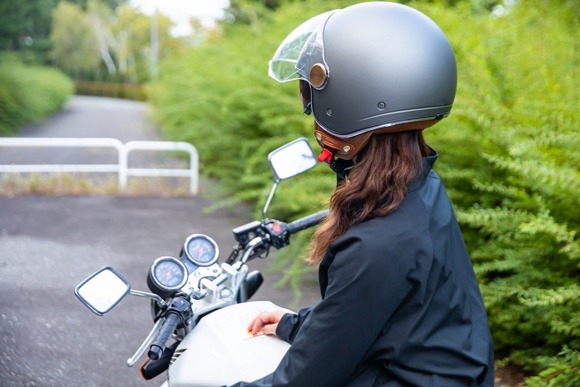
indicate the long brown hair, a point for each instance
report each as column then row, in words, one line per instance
column 376, row 186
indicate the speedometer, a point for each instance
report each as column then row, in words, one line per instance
column 167, row 275
column 201, row 250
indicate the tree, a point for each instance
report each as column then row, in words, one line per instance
column 101, row 18
column 25, row 26
column 105, row 45
column 74, row 43
column 111, row 4
column 132, row 30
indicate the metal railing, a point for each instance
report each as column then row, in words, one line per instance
column 122, row 165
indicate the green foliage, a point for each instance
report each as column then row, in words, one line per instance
column 29, row 93
column 218, row 98
column 508, row 152
column 75, row 45
column 563, row 370
column 25, row 25
column 130, row 33
column 96, row 40
column 513, row 174
column 130, row 91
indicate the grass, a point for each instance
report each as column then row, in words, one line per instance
column 79, row 185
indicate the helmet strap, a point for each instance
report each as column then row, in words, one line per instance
column 340, row 166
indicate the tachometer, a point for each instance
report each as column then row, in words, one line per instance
column 166, row 276
column 201, row 250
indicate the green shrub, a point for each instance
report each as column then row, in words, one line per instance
column 29, row 93
column 511, row 162
column 130, row 91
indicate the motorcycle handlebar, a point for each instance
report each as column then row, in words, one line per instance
column 306, row 222
column 156, row 349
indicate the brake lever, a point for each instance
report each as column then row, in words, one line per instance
column 148, row 340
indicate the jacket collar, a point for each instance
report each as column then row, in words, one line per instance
column 428, row 162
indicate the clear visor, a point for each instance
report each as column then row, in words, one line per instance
column 300, row 51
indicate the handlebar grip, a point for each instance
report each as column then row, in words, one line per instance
column 306, row 222
column 156, row 349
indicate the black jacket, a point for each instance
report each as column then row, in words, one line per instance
column 400, row 305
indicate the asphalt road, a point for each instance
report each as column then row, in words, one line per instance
column 48, row 244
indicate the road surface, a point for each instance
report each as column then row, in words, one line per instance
column 48, row 244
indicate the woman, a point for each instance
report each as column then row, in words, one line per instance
column 400, row 302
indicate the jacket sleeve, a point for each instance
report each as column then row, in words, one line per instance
column 336, row 334
column 290, row 324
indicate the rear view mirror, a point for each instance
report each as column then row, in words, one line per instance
column 103, row 290
column 288, row 161
column 291, row 159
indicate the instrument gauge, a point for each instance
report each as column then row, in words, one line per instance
column 166, row 276
column 201, row 250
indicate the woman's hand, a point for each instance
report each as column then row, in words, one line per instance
column 266, row 323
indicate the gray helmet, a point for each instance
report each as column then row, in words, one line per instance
column 371, row 67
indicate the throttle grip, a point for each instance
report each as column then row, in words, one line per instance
column 156, row 349
column 306, row 222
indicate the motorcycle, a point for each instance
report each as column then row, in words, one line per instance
column 200, row 306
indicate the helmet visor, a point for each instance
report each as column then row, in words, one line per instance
column 306, row 96
column 300, row 51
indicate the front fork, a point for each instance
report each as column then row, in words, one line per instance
column 250, row 286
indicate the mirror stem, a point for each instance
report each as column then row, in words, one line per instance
column 270, row 196
column 157, row 298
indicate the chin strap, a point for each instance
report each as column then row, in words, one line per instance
column 339, row 166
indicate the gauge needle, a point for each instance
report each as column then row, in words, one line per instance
column 168, row 276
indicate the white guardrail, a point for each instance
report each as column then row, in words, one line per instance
column 121, row 167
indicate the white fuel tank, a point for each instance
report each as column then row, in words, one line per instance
column 220, row 351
